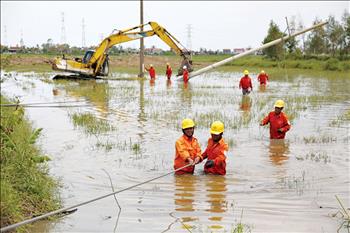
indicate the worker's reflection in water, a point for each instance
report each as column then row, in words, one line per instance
column 185, row 197
column 216, row 197
column 152, row 82
column 246, row 103
column 262, row 88
column 168, row 83
column 186, row 94
column 278, row 151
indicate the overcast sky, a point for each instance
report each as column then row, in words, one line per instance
column 214, row 24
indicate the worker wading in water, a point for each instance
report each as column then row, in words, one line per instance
column 187, row 149
column 185, row 74
column 151, row 71
column 168, row 71
column 246, row 83
column 215, row 151
column 263, row 78
column 279, row 123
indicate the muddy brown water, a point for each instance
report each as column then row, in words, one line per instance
column 270, row 186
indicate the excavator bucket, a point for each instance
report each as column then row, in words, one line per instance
column 188, row 64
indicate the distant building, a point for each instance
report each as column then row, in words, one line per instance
column 238, row 50
column 226, row 51
column 15, row 49
column 153, row 50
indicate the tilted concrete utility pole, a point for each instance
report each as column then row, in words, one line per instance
column 269, row 44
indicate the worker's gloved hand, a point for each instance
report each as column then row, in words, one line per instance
column 209, row 164
column 190, row 161
column 196, row 160
column 280, row 130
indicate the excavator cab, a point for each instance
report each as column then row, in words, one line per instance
column 87, row 56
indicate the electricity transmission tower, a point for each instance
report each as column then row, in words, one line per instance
column 189, row 37
column 83, row 34
column 21, row 42
column 63, row 30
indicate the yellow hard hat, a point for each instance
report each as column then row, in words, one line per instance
column 217, row 127
column 151, row 65
column 184, row 67
column 187, row 123
column 263, row 71
column 245, row 72
column 279, row 104
column 167, row 63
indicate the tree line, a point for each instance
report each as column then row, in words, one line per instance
column 331, row 40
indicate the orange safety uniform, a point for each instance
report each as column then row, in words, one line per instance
column 216, row 152
column 152, row 72
column 245, row 83
column 186, row 148
column 168, row 72
column 263, row 78
column 279, row 121
column 185, row 75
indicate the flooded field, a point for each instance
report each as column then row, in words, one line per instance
column 126, row 129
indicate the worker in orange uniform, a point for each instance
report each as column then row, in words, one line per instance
column 263, row 78
column 246, row 83
column 151, row 71
column 216, row 150
column 279, row 123
column 187, row 149
column 168, row 71
column 185, row 74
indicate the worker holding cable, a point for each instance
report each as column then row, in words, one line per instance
column 215, row 153
column 279, row 123
column 187, row 149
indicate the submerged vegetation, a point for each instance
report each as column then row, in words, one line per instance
column 26, row 188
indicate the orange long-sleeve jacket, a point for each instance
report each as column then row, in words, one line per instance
column 185, row 75
column 245, row 83
column 168, row 72
column 186, row 148
column 152, row 72
column 216, row 152
column 277, row 122
column 263, row 78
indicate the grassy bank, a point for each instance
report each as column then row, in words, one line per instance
column 26, row 188
column 129, row 63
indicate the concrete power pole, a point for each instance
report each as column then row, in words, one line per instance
column 142, row 49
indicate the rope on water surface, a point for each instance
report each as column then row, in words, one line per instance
column 14, row 226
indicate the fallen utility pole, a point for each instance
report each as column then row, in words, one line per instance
column 269, row 44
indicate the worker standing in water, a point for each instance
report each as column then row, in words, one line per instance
column 185, row 74
column 151, row 71
column 168, row 71
column 246, row 83
column 279, row 123
column 263, row 78
column 215, row 153
column 187, row 149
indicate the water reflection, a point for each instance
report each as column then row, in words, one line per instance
column 186, row 94
column 152, row 82
column 168, row 83
column 278, row 151
column 95, row 92
column 216, row 194
column 185, row 189
column 262, row 88
column 246, row 103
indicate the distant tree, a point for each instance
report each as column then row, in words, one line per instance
column 316, row 40
column 334, row 36
column 345, row 23
column 276, row 51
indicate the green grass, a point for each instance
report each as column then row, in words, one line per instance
column 26, row 188
column 91, row 124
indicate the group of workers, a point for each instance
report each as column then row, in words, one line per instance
column 246, row 82
column 168, row 72
column 188, row 152
column 187, row 149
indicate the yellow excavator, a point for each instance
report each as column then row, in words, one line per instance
column 95, row 62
